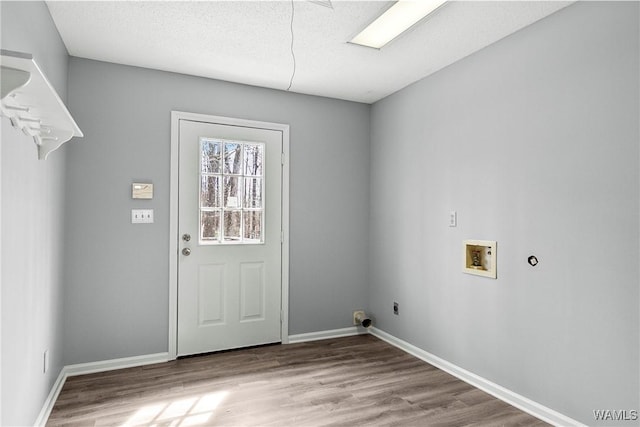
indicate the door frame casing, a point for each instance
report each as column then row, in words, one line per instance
column 176, row 116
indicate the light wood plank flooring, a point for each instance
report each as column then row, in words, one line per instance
column 352, row 381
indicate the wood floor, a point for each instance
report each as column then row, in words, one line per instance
column 352, row 381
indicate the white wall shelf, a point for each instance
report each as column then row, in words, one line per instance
column 32, row 104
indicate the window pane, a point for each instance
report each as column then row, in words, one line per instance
column 253, row 155
column 232, row 158
column 253, row 226
column 232, row 192
column 210, row 156
column 253, row 192
column 232, row 225
column 210, row 191
column 210, row 225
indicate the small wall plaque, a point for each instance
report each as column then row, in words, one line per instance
column 479, row 257
column 140, row 190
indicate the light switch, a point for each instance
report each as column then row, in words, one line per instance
column 141, row 216
column 453, row 219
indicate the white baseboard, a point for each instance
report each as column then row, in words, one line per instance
column 92, row 368
column 324, row 335
column 51, row 400
column 525, row 404
column 110, row 365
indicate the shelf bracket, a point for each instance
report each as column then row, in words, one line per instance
column 32, row 104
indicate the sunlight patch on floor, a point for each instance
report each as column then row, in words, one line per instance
column 190, row 411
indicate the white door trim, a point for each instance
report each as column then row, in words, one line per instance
column 176, row 116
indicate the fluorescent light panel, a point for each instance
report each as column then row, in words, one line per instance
column 396, row 20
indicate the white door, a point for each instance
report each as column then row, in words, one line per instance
column 229, row 225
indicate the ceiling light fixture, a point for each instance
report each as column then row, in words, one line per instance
column 325, row 3
column 403, row 15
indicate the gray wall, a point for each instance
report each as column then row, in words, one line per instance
column 32, row 231
column 534, row 142
column 117, row 273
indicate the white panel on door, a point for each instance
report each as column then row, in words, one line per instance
column 252, row 291
column 211, row 294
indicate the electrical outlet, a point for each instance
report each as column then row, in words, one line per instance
column 357, row 314
column 395, row 308
column 45, row 362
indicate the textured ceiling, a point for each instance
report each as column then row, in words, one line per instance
column 250, row 42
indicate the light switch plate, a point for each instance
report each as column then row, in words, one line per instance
column 141, row 216
column 453, row 219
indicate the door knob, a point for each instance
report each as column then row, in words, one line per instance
column 186, row 237
column 186, row 252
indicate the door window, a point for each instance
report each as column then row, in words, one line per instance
column 231, row 192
